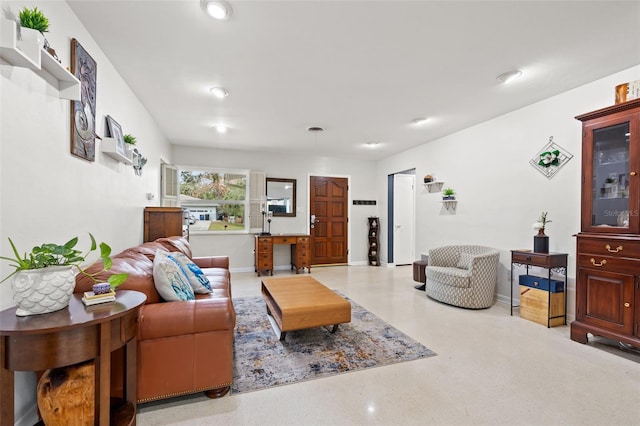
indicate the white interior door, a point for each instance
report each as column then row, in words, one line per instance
column 403, row 219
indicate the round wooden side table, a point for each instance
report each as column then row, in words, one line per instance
column 69, row 336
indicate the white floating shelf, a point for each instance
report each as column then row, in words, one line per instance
column 27, row 54
column 433, row 186
column 110, row 147
column 450, row 204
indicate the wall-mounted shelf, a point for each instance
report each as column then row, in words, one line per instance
column 110, row 148
column 433, row 186
column 28, row 54
column 450, row 204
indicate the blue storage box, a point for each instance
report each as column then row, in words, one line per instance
column 542, row 283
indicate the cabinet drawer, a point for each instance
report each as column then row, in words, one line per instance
column 265, row 248
column 284, row 240
column 609, row 247
column 303, row 240
column 608, row 263
column 549, row 260
column 265, row 264
column 265, row 240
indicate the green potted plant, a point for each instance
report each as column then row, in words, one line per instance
column 130, row 139
column 448, row 194
column 33, row 25
column 44, row 279
column 34, row 19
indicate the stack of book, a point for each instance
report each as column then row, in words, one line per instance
column 90, row 298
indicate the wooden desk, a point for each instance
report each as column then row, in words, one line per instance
column 300, row 251
column 69, row 336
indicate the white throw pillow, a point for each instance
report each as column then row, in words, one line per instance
column 170, row 281
column 198, row 280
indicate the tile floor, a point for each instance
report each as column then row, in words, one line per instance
column 491, row 369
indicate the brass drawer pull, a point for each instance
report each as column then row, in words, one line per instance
column 593, row 262
column 633, row 173
column 627, row 304
column 617, row 249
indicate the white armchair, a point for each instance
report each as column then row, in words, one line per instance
column 463, row 275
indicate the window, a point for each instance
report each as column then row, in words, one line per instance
column 217, row 200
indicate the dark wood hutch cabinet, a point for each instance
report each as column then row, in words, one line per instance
column 608, row 246
column 162, row 222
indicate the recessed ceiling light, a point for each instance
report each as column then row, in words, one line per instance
column 509, row 77
column 217, row 9
column 315, row 129
column 219, row 92
column 420, row 120
column 221, row 128
column 372, row 144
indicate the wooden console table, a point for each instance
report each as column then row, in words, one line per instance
column 551, row 262
column 300, row 251
column 69, row 336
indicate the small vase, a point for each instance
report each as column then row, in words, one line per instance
column 541, row 242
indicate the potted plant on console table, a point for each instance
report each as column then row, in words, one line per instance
column 45, row 278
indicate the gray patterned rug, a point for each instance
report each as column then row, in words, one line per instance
column 261, row 360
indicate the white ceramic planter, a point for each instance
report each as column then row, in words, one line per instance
column 30, row 42
column 40, row 291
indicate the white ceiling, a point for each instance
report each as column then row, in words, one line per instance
column 360, row 69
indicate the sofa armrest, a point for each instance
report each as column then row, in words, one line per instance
column 212, row 262
column 168, row 319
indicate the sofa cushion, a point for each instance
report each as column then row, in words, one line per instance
column 198, row 280
column 169, row 279
column 465, row 261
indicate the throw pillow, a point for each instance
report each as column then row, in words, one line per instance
column 465, row 261
column 169, row 280
column 198, row 280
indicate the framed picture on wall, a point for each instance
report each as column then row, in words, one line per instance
column 83, row 112
column 115, row 131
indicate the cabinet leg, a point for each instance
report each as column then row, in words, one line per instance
column 578, row 333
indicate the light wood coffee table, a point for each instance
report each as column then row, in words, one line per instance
column 299, row 302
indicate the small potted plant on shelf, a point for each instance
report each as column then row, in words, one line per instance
column 44, row 279
column 448, row 194
column 34, row 19
column 130, row 140
column 33, row 25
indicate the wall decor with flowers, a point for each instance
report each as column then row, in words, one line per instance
column 550, row 159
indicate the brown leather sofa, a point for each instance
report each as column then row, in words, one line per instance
column 183, row 347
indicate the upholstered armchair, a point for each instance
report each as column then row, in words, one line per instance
column 463, row 275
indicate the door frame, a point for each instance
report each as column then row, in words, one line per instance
column 412, row 239
column 390, row 213
column 349, row 204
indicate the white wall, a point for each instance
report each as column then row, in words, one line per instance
column 48, row 195
column 500, row 195
column 239, row 248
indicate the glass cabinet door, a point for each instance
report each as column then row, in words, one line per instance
column 610, row 186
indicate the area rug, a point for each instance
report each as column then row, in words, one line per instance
column 261, row 360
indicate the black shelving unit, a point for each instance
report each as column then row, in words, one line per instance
column 374, row 245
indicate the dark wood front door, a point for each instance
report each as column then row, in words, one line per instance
column 329, row 201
